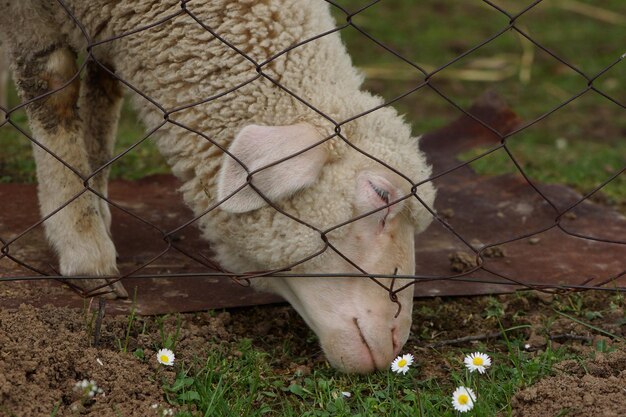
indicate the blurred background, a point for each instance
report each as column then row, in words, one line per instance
column 581, row 145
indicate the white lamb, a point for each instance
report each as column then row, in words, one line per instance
column 179, row 62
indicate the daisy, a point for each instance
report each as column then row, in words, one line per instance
column 463, row 399
column 477, row 362
column 165, row 357
column 88, row 388
column 401, row 363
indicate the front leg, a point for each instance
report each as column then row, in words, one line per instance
column 77, row 232
column 100, row 104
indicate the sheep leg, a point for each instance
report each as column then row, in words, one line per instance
column 77, row 232
column 100, row 104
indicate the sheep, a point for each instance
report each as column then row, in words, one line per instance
column 326, row 181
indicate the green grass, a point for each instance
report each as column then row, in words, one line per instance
column 582, row 165
column 436, row 32
column 245, row 384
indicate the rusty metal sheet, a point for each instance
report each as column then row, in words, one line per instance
column 489, row 210
column 483, row 210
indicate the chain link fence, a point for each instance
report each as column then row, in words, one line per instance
column 424, row 80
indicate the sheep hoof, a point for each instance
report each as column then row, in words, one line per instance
column 95, row 287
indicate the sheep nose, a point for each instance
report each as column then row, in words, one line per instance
column 375, row 352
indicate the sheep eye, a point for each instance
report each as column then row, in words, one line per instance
column 383, row 194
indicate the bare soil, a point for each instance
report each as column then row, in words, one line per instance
column 46, row 351
column 595, row 388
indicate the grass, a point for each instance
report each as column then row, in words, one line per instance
column 436, row 32
column 225, row 386
column 218, row 386
column 583, row 165
column 131, row 319
column 243, row 378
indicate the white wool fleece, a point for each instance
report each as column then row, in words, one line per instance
column 179, row 62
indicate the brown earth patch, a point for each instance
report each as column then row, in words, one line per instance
column 46, row 351
column 595, row 388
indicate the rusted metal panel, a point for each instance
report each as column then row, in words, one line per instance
column 506, row 211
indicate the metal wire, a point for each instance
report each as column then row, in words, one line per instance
column 423, row 80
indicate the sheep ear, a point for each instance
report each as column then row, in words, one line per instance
column 259, row 146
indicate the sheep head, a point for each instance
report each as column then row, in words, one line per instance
column 359, row 327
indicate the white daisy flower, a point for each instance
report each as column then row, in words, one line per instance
column 88, row 388
column 165, row 357
column 401, row 363
column 463, row 399
column 477, row 362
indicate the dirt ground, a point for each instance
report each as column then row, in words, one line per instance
column 46, row 351
column 595, row 388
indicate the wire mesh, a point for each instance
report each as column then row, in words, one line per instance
column 424, row 80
